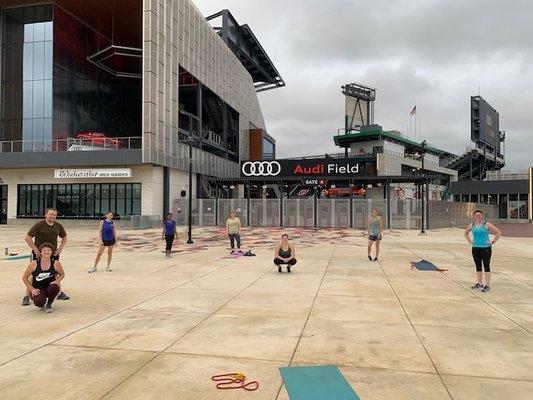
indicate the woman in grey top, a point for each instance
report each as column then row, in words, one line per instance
column 375, row 229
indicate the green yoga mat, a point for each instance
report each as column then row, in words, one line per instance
column 18, row 257
column 317, row 383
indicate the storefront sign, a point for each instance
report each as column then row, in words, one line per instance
column 92, row 173
column 309, row 168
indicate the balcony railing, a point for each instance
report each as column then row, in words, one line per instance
column 86, row 144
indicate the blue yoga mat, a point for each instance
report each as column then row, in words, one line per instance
column 317, row 383
column 426, row 266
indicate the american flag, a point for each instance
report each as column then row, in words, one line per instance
column 413, row 111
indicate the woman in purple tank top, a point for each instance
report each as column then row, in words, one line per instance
column 107, row 233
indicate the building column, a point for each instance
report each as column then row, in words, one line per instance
column 225, row 122
column 199, row 112
column 166, row 191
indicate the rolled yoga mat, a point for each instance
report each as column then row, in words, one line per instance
column 18, row 257
column 317, row 383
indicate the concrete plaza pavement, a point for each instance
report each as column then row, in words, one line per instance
column 158, row 328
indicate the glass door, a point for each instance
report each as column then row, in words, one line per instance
column 3, row 204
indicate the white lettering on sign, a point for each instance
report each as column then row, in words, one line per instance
column 92, row 173
column 343, row 169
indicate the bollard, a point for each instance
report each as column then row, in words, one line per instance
column 7, row 251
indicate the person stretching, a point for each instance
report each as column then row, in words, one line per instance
column 233, row 230
column 482, row 248
column 46, row 231
column 285, row 253
column 107, row 233
column 46, row 273
column 170, row 232
column 375, row 229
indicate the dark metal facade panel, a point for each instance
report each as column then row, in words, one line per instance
column 71, row 159
column 490, row 187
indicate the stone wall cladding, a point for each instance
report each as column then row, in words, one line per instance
column 176, row 34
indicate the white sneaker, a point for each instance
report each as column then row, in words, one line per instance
column 92, row 270
column 108, row 268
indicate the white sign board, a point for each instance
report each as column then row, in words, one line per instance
column 92, row 173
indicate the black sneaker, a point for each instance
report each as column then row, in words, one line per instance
column 62, row 296
column 485, row 289
column 279, row 269
column 25, row 301
column 375, row 259
column 477, row 286
column 48, row 308
column 370, row 258
column 289, row 269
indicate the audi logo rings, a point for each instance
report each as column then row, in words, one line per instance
column 261, row 168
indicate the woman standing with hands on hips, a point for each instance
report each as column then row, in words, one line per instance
column 482, row 248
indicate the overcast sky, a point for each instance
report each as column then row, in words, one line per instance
column 434, row 53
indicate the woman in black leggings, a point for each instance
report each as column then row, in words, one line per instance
column 46, row 274
column 482, row 248
column 169, row 233
column 285, row 253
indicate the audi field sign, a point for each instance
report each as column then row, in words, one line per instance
column 306, row 168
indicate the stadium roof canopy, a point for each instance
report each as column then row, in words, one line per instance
column 345, row 139
column 242, row 41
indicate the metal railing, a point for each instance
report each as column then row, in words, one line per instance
column 506, row 176
column 85, row 144
column 329, row 213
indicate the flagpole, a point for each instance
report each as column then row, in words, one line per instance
column 414, row 115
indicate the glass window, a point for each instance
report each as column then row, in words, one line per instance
column 79, row 200
column 89, row 200
column 513, row 197
column 513, row 209
column 27, row 55
column 484, row 198
column 22, row 200
column 503, row 210
column 493, row 199
column 34, row 205
column 268, row 149
column 48, row 196
column 474, row 198
column 464, row 198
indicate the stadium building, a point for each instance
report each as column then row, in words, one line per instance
column 101, row 103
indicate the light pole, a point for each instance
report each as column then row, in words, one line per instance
column 189, row 240
column 424, row 143
column 190, row 139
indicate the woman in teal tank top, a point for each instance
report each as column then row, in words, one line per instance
column 482, row 248
column 375, row 228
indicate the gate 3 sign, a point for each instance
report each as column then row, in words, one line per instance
column 306, row 168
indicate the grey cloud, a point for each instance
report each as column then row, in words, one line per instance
column 435, row 53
